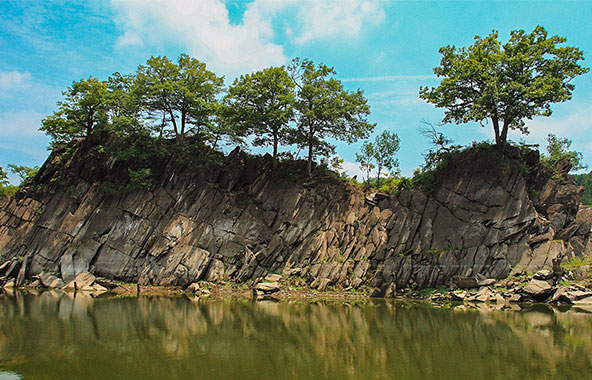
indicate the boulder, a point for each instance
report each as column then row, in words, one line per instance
column 84, row 281
column 266, row 288
column 538, row 290
column 272, row 277
column 572, row 295
column 51, row 281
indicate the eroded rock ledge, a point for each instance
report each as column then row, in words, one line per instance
column 241, row 220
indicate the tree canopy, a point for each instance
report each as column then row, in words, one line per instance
column 262, row 103
column 382, row 152
column 325, row 109
column 505, row 83
column 83, row 109
column 558, row 148
column 182, row 94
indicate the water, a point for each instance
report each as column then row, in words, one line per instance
column 59, row 336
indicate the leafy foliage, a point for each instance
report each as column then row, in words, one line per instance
column 262, row 103
column 382, row 152
column 83, row 110
column 505, row 83
column 25, row 173
column 385, row 146
column 557, row 149
column 365, row 157
column 182, row 95
column 325, row 109
column 586, row 181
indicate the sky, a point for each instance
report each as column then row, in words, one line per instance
column 386, row 48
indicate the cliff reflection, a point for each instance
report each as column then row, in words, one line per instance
column 59, row 336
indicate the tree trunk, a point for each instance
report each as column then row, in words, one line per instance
column 275, row 148
column 504, row 136
column 310, row 157
column 496, row 130
column 378, row 176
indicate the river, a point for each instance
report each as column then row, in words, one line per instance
column 56, row 335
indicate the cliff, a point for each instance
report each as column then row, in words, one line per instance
column 240, row 219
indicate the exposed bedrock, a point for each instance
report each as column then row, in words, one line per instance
column 241, row 220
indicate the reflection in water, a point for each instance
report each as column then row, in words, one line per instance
column 59, row 336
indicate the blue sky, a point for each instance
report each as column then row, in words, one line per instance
column 386, row 48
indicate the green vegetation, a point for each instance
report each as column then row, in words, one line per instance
column 179, row 112
column 133, row 124
column 558, row 149
column 25, row 174
column 325, row 109
column 382, row 152
column 263, row 103
column 586, row 181
column 505, row 83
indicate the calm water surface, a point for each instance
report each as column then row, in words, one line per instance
column 59, row 336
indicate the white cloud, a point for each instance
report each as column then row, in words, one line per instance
column 353, row 169
column 574, row 125
column 204, row 27
column 322, row 19
column 14, row 79
column 20, row 123
column 576, row 122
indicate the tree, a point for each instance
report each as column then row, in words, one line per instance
column 325, row 109
column 558, row 148
column 83, row 110
column 585, row 180
column 25, row 173
column 364, row 158
column 3, row 177
column 123, row 105
column 505, row 83
column 385, row 146
column 182, row 94
column 263, row 103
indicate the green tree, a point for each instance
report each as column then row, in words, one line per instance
column 364, row 159
column 385, row 146
column 123, row 105
column 182, row 95
column 263, row 103
column 25, row 173
column 558, row 148
column 505, row 83
column 3, row 177
column 83, row 110
column 585, row 180
column 325, row 109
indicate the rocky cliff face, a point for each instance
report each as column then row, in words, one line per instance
column 240, row 220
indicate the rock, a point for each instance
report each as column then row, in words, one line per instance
column 235, row 219
column 9, row 284
column 267, row 288
column 193, row 288
column 458, row 295
column 84, row 281
column 544, row 274
column 484, row 295
column 273, row 277
column 499, row 298
column 572, row 295
column 51, row 281
column 514, row 297
column 34, row 284
column 538, row 290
